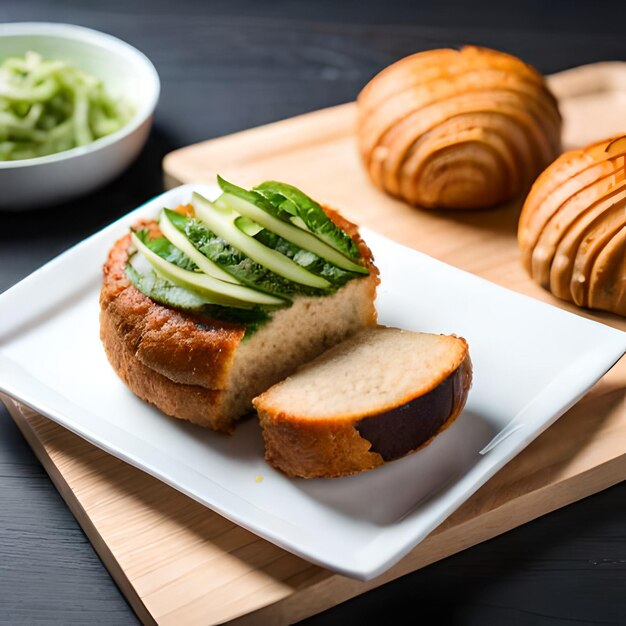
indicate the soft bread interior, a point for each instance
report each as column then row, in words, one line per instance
column 296, row 335
column 376, row 369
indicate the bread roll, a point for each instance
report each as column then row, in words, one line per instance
column 572, row 229
column 451, row 129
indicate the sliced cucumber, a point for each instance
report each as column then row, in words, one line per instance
column 236, row 263
column 296, row 220
column 249, row 227
column 222, row 223
column 152, row 284
column 295, row 235
column 148, row 281
column 311, row 213
column 214, row 290
column 182, row 242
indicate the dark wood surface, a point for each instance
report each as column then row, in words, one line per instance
column 230, row 65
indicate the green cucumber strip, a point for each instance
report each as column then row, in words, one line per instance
column 214, row 290
column 166, row 250
column 249, row 227
column 251, row 273
column 239, row 265
column 254, row 206
column 180, row 241
column 297, row 236
column 296, row 220
column 223, row 225
column 308, row 260
column 286, row 197
column 144, row 278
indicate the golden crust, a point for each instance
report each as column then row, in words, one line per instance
column 457, row 129
column 302, row 450
column 568, row 175
column 607, row 283
column 190, row 402
column 571, row 224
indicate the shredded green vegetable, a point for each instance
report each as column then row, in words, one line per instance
column 49, row 106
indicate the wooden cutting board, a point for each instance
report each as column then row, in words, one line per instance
column 178, row 562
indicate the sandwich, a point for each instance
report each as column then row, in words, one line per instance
column 210, row 303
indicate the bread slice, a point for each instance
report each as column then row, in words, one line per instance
column 206, row 371
column 374, row 398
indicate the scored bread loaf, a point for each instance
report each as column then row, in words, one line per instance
column 457, row 129
column 376, row 397
column 572, row 228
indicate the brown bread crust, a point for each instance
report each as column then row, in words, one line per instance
column 457, row 129
column 190, row 402
column 185, row 348
column 179, row 362
column 572, row 224
column 329, row 448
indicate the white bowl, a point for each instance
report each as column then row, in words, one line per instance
column 35, row 183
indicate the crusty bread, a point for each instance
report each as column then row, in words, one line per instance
column 572, row 228
column 457, row 129
column 377, row 396
column 205, row 371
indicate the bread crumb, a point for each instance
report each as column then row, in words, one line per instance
column 258, row 479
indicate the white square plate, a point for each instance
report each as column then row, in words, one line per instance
column 531, row 361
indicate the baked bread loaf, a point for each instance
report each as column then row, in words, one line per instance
column 376, row 397
column 572, row 229
column 457, row 129
column 208, row 370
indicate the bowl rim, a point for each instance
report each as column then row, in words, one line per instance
column 87, row 35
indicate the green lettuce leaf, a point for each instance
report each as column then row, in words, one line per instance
column 290, row 201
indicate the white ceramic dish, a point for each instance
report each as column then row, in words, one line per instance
column 35, row 183
column 532, row 361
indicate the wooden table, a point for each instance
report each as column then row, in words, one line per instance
column 240, row 65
